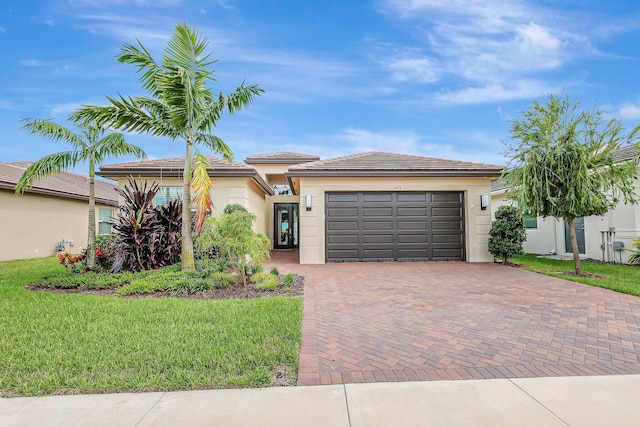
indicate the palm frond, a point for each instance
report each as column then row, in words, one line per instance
column 48, row 165
column 115, row 145
column 53, row 131
column 215, row 144
column 140, row 57
column 201, row 186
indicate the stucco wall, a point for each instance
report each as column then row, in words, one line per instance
column 226, row 191
column 31, row 225
column 312, row 223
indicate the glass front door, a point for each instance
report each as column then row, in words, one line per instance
column 286, row 225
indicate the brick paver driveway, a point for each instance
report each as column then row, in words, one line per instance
column 368, row 322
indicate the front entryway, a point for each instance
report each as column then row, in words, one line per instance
column 285, row 228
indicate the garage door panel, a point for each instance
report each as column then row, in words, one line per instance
column 446, row 225
column 387, row 226
column 381, row 212
column 377, row 238
column 412, row 211
column 343, row 225
column 447, row 212
column 412, row 197
column 376, row 197
column 377, row 225
column 443, row 197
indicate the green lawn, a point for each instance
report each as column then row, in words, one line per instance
column 65, row 344
column 621, row 278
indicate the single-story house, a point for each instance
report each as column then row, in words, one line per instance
column 363, row 207
column 52, row 215
column 604, row 238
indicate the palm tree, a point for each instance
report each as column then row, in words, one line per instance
column 179, row 106
column 88, row 147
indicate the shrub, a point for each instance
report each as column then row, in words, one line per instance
column 235, row 207
column 222, row 280
column 287, row 281
column 107, row 244
column 142, row 285
column 635, row 256
column 232, row 235
column 188, row 286
column 90, row 280
column 148, row 236
column 274, row 271
column 507, row 233
column 265, row 281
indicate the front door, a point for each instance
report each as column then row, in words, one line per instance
column 578, row 224
column 286, row 225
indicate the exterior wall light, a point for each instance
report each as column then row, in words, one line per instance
column 484, row 201
column 308, row 202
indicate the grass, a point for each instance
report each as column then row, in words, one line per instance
column 73, row 343
column 617, row 277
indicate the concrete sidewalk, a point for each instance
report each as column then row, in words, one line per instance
column 560, row 401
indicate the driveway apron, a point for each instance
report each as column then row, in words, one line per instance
column 375, row 322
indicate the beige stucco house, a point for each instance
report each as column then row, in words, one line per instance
column 363, row 207
column 54, row 211
column 604, row 238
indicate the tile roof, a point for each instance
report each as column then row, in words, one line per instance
column 173, row 167
column 282, row 157
column 64, row 184
column 626, row 153
column 390, row 164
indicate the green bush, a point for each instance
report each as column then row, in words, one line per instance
column 85, row 281
column 222, row 280
column 287, row 281
column 265, row 281
column 143, row 285
column 158, row 280
column 507, row 233
column 235, row 207
column 188, row 286
column 274, row 271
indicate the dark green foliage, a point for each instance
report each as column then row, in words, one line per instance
column 85, row 281
column 235, row 207
column 265, row 281
column 188, row 285
column 635, row 256
column 288, row 280
column 274, row 271
column 107, row 243
column 148, row 236
column 222, row 280
column 507, row 233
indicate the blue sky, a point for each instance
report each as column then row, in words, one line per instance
column 428, row 77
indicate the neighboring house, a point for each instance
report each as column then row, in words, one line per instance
column 602, row 238
column 363, row 207
column 54, row 211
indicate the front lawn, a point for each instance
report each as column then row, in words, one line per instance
column 621, row 278
column 74, row 343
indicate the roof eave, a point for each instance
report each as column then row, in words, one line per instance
column 442, row 173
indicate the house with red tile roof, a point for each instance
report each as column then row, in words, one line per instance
column 363, row 207
column 52, row 215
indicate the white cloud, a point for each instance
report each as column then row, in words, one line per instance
column 422, row 70
column 32, row 63
column 524, row 89
column 629, row 111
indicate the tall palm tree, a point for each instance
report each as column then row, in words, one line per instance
column 179, row 106
column 89, row 146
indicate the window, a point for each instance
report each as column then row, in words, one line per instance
column 282, row 190
column 530, row 222
column 104, row 215
column 166, row 194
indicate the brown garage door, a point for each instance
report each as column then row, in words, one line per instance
column 394, row 226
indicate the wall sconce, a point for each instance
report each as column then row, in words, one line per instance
column 484, row 201
column 308, row 201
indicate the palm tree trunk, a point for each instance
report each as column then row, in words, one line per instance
column 187, row 241
column 574, row 246
column 91, row 237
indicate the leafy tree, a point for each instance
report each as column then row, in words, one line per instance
column 507, row 233
column 90, row 147
column 179, row 106
column 562, row 163
column 234, row 238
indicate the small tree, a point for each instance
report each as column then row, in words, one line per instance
column 507, row 233
column 232, row 235
column 563, row 163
